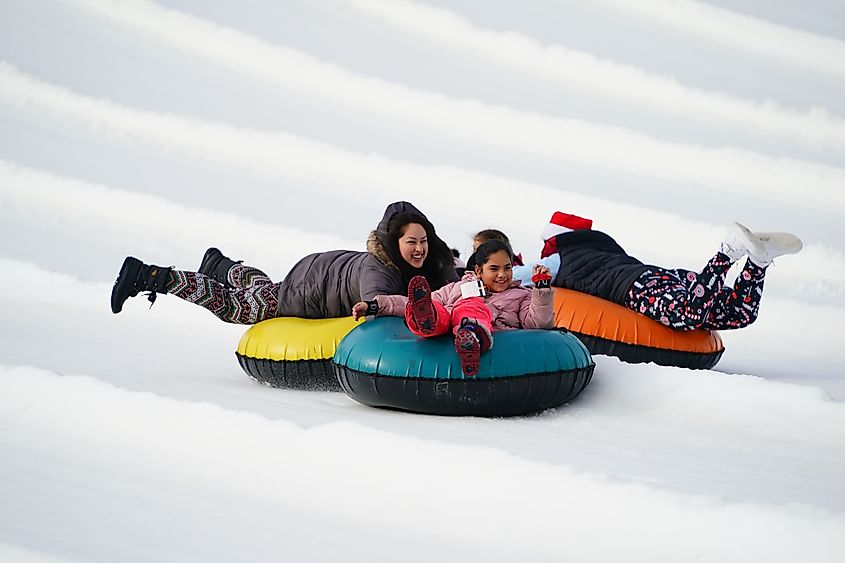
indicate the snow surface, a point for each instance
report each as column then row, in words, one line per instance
column 275, row 129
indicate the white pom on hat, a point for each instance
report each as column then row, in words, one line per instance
column 563, row 223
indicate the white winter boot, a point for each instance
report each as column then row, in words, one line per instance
column 740, row 241
column 778, row 244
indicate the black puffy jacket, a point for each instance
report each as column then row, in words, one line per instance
column 327, row 284
column 592, row 262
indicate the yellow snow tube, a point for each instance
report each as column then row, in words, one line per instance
column 293, row 353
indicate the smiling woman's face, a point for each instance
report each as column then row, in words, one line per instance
column 413, row 244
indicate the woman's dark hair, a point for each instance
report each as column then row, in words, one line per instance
column 438, row 261
column 492, row 246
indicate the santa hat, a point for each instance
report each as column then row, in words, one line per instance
column 563, row 223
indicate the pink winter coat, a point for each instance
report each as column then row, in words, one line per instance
column 515, row 307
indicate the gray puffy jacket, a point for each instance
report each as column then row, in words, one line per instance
column 327, row 284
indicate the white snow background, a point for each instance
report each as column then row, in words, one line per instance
column 276, row 129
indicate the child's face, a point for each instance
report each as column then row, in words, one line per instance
column 497, row 272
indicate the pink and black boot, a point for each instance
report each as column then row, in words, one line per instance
column 420, row 309
column 471, row 339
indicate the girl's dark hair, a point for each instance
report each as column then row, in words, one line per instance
column 438, row 261
column 492, row 246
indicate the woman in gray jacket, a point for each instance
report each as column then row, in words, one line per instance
column 321, row 285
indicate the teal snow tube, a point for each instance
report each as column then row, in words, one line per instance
column 382, row 364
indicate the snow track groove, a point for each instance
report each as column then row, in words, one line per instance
column 566, row 140
column 627, row 84
column 123, row 218
column 719, row 25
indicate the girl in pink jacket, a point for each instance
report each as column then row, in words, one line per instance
column 472, row 307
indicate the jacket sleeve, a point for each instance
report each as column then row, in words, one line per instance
column 391, row 305
column 537, row 310
column 444, row 295
column 377, row 279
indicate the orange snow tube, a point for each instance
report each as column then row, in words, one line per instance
column 609, row 329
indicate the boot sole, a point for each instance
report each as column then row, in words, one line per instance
column 420, row 306
column 469, row 350
column 210, row 259
column 783, row 243
column 210, row 262
column 123, row 287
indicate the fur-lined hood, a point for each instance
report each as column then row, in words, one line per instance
column 377, row 249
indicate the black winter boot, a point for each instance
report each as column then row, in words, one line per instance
column 216, row 266
column 134, row 277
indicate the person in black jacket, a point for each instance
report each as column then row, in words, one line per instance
column 590, row 261
column 320, row 285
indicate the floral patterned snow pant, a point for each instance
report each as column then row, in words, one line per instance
column 253, row 298
column 684, row 300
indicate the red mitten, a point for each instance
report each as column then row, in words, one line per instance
column 541, row 281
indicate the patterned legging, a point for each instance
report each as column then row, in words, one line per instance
column 684, row 300
column 253, row 297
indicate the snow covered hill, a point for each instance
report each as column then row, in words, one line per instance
column 275, row 129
